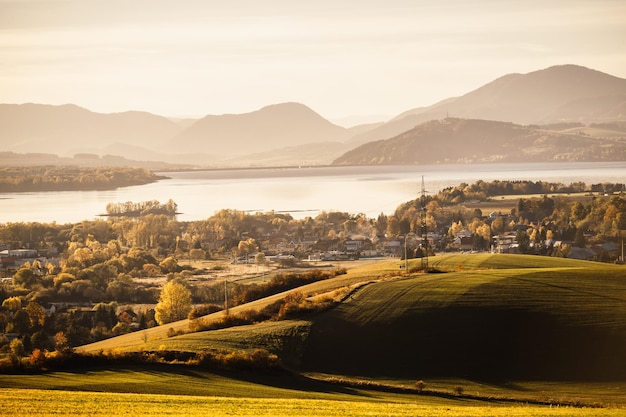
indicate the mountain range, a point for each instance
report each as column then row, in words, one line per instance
column 468, row 128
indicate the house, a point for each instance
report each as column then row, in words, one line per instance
column 505, row 243
column 19, row 253
column 393, row 248
column 585, row 254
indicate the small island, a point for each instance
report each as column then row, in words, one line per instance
column 131, row 209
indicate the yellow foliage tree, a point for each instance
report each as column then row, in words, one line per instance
column 174, row 303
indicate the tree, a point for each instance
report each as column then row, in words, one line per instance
column 174, row 303
column 393, row 226
column 523, row 240
column 122, row 288
column 17, row 348
column 12, row 304
column 259, row 259
column 25, row 277
column 497, row 225
column 20, row 322
column 61, row 343
column 36, row 315
column 245, row 247
column 169, row 264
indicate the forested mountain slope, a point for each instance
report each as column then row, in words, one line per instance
column 453, row 140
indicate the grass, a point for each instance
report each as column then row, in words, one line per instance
column 137, row 340
column 549, row 319
column 463, row 262
column 19, row 403
column 177, row 391
column 501, row 327
column 283, row 338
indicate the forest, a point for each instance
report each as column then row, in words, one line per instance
column 90, row 277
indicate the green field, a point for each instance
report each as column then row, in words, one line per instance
column 160, row 391
column 19, row 403
column 489, row 335
column 500, row 317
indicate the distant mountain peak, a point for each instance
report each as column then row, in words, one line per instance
column 271, row 127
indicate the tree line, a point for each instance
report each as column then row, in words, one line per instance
column 72, row 178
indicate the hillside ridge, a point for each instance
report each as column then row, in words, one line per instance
column 486, row 317
column 293, row 134
column 455, row 140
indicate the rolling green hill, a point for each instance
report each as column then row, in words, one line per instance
column 485, row 317
column 497, row 317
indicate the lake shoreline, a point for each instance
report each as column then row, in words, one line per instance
column 298, row 191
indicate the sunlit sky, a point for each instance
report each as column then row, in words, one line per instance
column 341, row 58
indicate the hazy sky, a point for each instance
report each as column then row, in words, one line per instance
column 353, row 57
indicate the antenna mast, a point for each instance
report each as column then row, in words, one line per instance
column 424, row 229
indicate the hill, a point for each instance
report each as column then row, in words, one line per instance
column 270, row 128
column 488, row 317
column 523, row 320
column 562, row 93
column 454, row 140
column 69, row 129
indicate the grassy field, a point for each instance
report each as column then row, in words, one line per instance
column 503, row 204
column 183, row 392
column 512, row 334
column 18, row 403
column 497, row 316
column 355, row 276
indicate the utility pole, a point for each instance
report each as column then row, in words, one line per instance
column 406, row 258
column 225, row 297
column 424, row 230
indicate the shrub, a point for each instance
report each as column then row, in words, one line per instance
column 203, row 310
column 37, row 359
column 120, row 328
column 419, row 386
column 259, row 359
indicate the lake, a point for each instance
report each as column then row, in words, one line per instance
column 299, row 191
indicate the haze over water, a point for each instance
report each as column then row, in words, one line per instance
column 301, row 192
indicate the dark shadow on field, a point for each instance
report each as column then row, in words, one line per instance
column 294, row 382
column 494, row 345
column 94, row 375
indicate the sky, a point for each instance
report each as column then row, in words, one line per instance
column 372, row 59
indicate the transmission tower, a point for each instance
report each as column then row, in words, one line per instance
column 424, row 229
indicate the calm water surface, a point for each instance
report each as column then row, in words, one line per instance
column 299, row 191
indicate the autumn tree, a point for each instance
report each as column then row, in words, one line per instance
column 260, row 259
column 25, row 277
column 36, row 315
column 245, row 247
column 12, row 304
column 393, row 226
column 174, row 303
